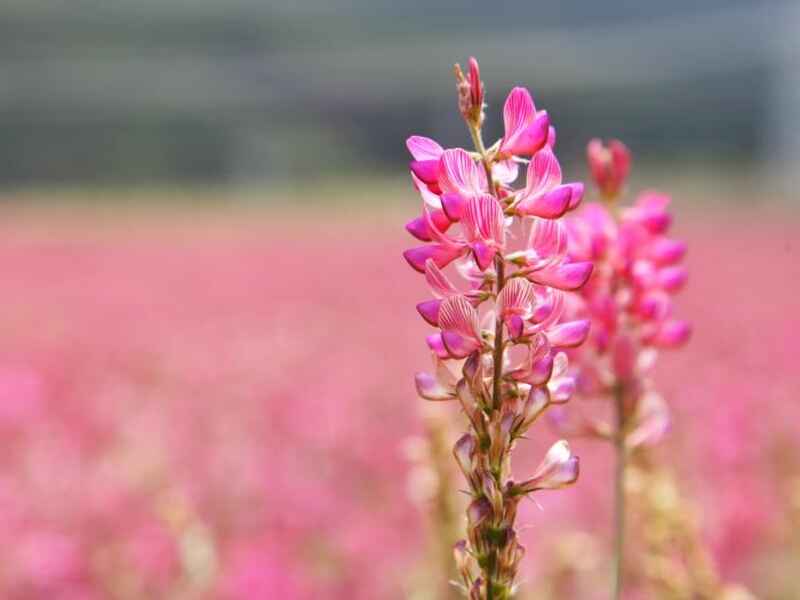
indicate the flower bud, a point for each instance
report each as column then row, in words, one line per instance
column 470, row 93
column 609, row 165
column 464, row 451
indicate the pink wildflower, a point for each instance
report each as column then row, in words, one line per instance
column 508, row 289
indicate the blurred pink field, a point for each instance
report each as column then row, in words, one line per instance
column 197, row 407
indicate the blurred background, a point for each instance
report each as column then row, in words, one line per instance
column 208, row 336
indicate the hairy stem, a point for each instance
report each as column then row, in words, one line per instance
column 499, row 346
column 619, row 496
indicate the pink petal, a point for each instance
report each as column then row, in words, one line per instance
column 420, row 229
column 483, row 220
column 518, row 113
column 453, row 205
column 426, row 170
column 460, row 174
column 464, row 451
column 672, row 278
column 558, row 469
column 516, row 298
column 423, row 148
column 438, row 282
column 569, row 335
column 665, row 251
column 426, row 190
column 429, row 310
column 436, row 344
column 457, row 315
column 577, row 195
column 672, row 334
column 429, row 388
column 484, row 254
column 457, row 345
column 570, row 276
column 548, row 205
column 547, row 242
column 505, row 172
column 440, row 254
column 526, row 131
column 652, row 421
column 551, row 137
column 533, row 138
column 562, row 389
column 544, row 172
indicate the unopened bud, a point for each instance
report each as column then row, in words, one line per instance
column 470, row 93
column 609, row 165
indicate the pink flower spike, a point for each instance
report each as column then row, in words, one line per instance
column 458, row 173
column 526, row 131
column 570, row 276
column 442, row 255
column 429, row 310
column 569, row 335
column 559, row 468
column 429, row 388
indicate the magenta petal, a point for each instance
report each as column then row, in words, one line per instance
column 666, row 251
column 515, row 325
column 568, row 335
column 532, row 138
column 458, row 346
column 441, row 255
column 429, row 388
column 577, row 195
column 672, row 334
column 423, row 148
column 550, row 205
column 484, row 255
column 435, row 343
column 429, row 310
column 570, row 276
column 419, row 229
column 672, row 278
column 558, row 469
column 425, row 170
column 541, row 370
column 551, row 137
column 453, row 205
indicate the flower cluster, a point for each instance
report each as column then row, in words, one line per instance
column 500, row 339
column 629, row 296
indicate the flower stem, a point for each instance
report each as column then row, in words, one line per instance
column 619, row 495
